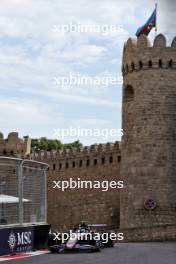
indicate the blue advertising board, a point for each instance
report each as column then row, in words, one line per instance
column 16, row 240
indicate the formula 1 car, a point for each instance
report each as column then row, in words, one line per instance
column 80, row 239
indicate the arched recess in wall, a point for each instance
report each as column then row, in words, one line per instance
column 129, row 93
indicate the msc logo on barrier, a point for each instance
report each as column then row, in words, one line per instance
column 22, row 241
column 16, row 239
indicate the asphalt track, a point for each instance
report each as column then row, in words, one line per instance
column 124, row 253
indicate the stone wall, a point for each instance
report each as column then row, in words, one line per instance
column 160, row 233
column 69, row 207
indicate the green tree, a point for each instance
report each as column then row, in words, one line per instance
column 52, row 144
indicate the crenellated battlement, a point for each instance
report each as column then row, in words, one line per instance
column 102, row 154
column 62, row 159
column 138, row 54
column 96, row 149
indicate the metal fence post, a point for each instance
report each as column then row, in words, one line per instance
column 45, row 194
column 20, row 192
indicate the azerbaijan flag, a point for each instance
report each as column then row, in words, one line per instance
column 147, row 27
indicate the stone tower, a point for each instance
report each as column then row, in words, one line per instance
column 14, row 146
column 148, row 165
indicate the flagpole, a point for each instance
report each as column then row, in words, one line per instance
column 156, row 29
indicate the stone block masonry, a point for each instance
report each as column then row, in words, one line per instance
column 97, row 162
column 149, row 141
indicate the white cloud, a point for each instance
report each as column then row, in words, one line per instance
column 16, row 111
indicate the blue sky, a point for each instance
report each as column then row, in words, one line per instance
column 32, row 53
